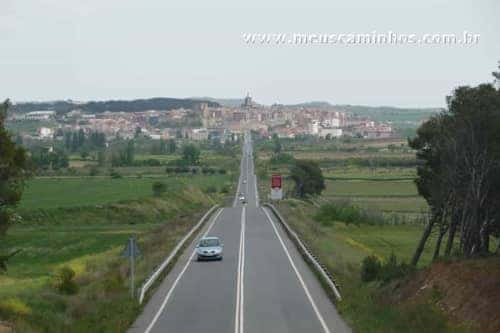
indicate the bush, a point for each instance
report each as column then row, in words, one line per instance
column 94, row 171
column 211, row 189
column 64, row 281
column 370, row 268
column 222, row 171
column 159, row 188
column 393, row 270
column 115, row 174
column 14, row 308
column 346, row 212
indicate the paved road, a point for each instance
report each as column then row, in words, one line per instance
column 262, row 285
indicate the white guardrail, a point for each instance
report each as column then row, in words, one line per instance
column 149, row 282
column 323, row 271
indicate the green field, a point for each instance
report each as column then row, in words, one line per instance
column 78, row 191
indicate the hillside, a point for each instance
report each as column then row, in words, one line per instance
column 467, row 291
column 159, row 103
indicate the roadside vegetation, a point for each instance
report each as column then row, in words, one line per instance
column 409, row 230
column 61, row 268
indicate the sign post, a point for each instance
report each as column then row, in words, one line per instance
column 131, row 251
column 276, row 187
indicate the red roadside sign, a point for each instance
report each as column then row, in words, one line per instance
column 276, row 181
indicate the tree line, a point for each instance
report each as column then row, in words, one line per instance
column 459, row 172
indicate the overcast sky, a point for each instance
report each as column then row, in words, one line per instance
column 96, row 50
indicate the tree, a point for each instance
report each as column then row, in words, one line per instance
column 276, row 144
column 14, row 169
column 163, row 147
column 129, row 153
column 159, row 188
column 171, row 146
column 496, row 75
column 308, row 177
column 190, row 154
column 459, row 171
column 101, row 158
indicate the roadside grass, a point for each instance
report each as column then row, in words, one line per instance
column 92, row 248
column 342, row 248
column 83, row 223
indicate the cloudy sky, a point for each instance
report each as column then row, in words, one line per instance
column 95, row 49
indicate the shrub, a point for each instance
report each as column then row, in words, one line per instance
column 159, row 188
column 115, row 174
column 346, row 212
column 94, row 171
column 13, row 307
column 210, row 189
column 64, row 281
column 222, row 171
column 370, row 268
column 391, row 269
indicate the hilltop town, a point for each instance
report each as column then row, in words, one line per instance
column 202, row 121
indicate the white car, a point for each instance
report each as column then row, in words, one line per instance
column 209, row 248
column 244, row 181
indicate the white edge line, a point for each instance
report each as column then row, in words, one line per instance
column 242, row 291
column 299, row 276
column 170, row 292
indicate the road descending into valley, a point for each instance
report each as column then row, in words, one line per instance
column 261, row 285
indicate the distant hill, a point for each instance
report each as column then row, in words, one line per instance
column 159, row 103
column 228, row 102
column 314, row 104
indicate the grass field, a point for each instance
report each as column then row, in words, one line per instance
column 78, row 191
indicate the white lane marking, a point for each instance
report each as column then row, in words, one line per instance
column 299, row 276
column 256, row 191
column 170, row 292
column 239, row 312
column 238, row 187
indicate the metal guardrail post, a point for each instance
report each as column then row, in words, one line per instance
column 327, row 277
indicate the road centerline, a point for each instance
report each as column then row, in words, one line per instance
column 239, row 311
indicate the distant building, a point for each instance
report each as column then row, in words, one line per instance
column 45, row 132
column 199, row 134
column 40, row 115
column 331, row 132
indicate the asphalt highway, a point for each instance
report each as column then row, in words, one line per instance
column 261, row 285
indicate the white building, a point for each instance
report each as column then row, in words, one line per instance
column 314, row 127
column 332, row 132
column 199, row 134
column 39, row 115
column 45, row 132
